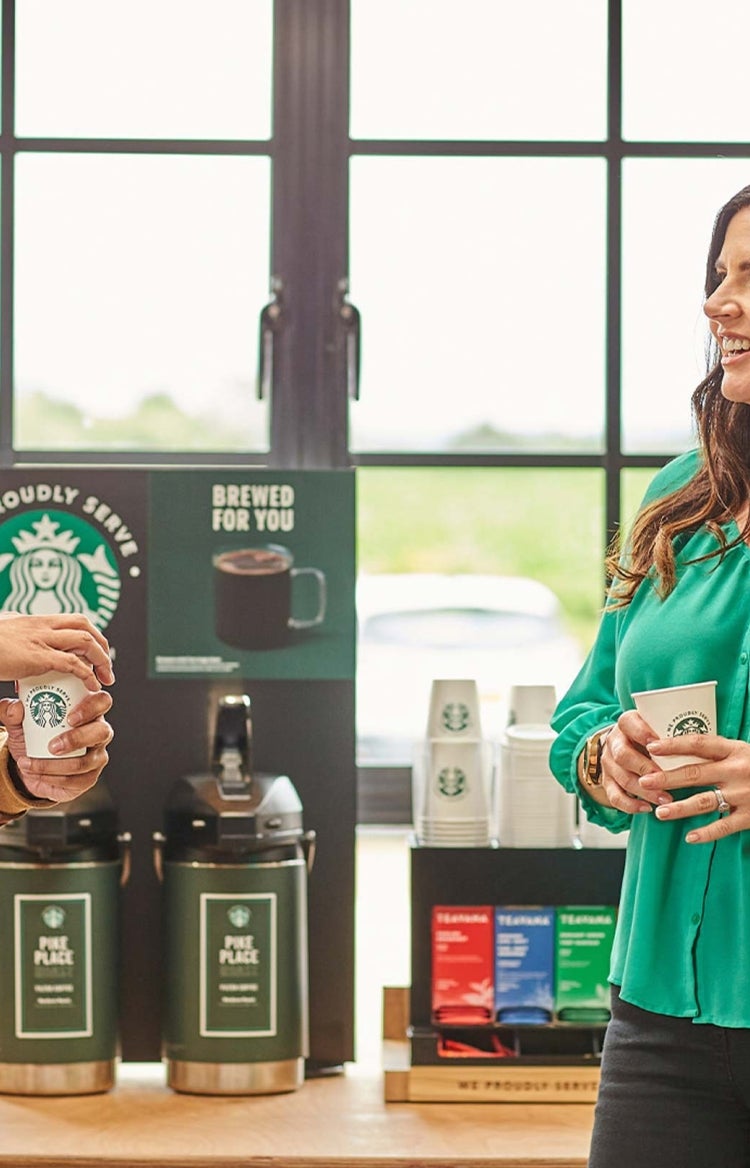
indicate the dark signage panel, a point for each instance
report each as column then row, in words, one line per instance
column 208, row 583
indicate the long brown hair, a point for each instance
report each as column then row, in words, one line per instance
column 720, row 489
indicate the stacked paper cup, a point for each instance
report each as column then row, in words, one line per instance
column 591, row 835
column 531, row 704
column 534, row 811
column 452, row 793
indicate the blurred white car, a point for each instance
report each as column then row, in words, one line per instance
column 412, row 628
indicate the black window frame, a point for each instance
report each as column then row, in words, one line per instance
column 310, row 151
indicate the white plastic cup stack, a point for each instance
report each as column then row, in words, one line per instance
column 452, row 793
column 591, row 835
column 531, row 704
column 534, row 811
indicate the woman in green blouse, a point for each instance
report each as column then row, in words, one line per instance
column 675, row 1085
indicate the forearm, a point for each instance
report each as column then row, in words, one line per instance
column 14, row 800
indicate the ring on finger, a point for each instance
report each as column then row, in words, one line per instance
column 721, row 804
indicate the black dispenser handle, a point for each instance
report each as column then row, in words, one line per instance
column 232, row 749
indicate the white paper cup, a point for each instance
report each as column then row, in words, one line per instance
column 678, row 710
column 47, row 700
column 456, row 781
column 454, row 709
column 531, row 703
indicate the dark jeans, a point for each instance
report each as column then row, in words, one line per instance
column 673, row 1094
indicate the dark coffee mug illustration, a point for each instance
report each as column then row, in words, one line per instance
column 253, row 597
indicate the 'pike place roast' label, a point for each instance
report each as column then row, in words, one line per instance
column 52, row 937
column 238, row 960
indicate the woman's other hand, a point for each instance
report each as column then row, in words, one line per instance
column 726, row 767
column 625, row 761
column 62, row 779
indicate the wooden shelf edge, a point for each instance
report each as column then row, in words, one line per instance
column 496, row 1082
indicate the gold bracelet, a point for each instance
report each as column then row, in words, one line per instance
column 592, row 757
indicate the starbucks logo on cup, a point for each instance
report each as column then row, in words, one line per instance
column 455, row 717
column 691, row 723
column 451, row 782
column 48, row 708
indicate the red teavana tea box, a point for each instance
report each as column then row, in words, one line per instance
column 463, row 964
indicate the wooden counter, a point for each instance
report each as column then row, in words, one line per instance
column 330, row 1122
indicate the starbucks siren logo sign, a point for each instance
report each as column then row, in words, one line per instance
column 53, row 562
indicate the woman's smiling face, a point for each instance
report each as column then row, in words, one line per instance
column 728, row 308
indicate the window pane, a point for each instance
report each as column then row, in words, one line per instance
column 479, row 69
column 633, row 484
column 495, row 574
column 143, row 69
column 668, row 212
column 482, row 300
column 670, row 50
column 138, row 283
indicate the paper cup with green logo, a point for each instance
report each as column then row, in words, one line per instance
column 47, row 700
column 455, row 780
column 679, row 710
column 454, row 709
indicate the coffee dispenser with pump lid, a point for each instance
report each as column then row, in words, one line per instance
column 61, row 870
column 234, row 859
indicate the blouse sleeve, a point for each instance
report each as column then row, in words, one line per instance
column 589, row 705
column 591, row 702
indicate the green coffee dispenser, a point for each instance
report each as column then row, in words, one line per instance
column 61, row 869
column 234, row 859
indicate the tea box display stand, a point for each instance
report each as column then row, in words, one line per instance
column 555, row 1061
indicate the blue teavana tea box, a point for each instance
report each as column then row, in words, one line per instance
column 524, row 964
column 582, row 953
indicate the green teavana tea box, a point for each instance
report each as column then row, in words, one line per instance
column 583, row 944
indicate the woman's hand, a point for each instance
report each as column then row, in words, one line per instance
column 625, row 761
column 66, row 642
column 727, row 767
column 62, row 779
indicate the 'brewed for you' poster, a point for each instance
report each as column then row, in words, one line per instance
column 251, row 573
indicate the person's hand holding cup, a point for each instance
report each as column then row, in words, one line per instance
column 57, row 735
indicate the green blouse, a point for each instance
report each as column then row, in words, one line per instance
column 682, row 944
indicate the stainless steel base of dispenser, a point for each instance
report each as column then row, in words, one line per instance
column 87, row 1078
column 270, row 1078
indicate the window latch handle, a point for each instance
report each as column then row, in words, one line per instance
column 351, row 322
column 271, row 322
